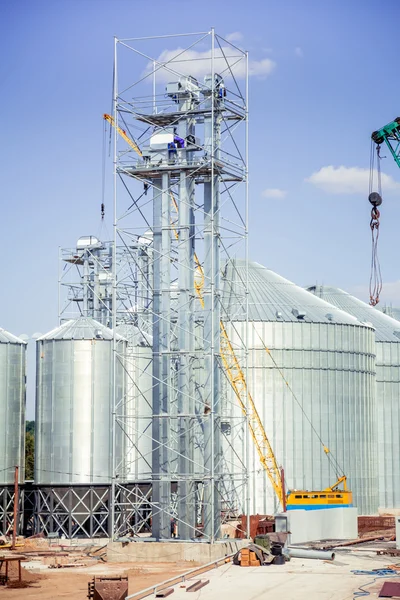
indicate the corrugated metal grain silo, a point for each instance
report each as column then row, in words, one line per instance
column 328, row 358
column 74, row 393
column 12, row 403
column 387, row 333
column 138, row 403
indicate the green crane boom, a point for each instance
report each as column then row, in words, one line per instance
column 390, row 134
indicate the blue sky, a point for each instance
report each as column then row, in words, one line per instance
column 335, row 80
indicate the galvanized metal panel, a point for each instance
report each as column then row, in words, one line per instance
column 84, row 328
column 74, row 408
column 273, row 298
column 387, row 331
column 335, row 390
column 12, row 407
column 384, row 324
column 328, row 357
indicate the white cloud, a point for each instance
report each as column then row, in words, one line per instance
column 235, row 36
column 262, row 68
column 299, row 52
column 348, row 180
column 274, row 193
column 198, row 63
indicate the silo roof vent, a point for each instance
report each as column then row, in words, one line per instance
column 299, row 314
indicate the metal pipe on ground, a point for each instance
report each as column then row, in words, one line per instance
column 310, row 553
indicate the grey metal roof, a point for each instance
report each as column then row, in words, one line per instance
column 8, row 338
column 83, row 328
column 387, row 329
column 391, row 311
column 274, row 298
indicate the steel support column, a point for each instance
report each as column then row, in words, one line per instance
column 161, row 358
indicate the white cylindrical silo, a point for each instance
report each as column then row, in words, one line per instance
column 328, row 358
column 12, row 407
column 387, row 333
column 74, row 395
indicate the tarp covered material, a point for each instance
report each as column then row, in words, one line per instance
column 265, row 557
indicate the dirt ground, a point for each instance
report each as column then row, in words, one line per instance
column 72, row 584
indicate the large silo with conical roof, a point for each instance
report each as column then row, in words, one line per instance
column 328, row 358
column 12, row 407
column 387, row 333
column 74, row 396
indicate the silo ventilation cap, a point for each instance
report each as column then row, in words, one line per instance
column 299, row 314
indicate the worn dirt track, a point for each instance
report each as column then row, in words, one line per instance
column 71, row 584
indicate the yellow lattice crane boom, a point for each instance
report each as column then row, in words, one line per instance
column 122, row 133
column 238, row 382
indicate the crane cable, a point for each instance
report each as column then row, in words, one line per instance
column 375, row 198
column 331, row 457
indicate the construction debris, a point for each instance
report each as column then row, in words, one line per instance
column 352, row 542
column 197, row 585
column 388, row 552
column 57, row 565
column 165, row 593
column 371, row 524
column 253, row 556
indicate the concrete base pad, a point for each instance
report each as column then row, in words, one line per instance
column 312, row 525
column 198, row 552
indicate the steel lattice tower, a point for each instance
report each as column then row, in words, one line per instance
column 180, row 216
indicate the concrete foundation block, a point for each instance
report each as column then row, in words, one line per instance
column 196, row 552
column 324, row 524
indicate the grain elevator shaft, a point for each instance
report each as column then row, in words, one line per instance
column 183, row 159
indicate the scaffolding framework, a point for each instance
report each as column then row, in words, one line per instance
column 180, row 218
column 7, row 510
column 79, row 511
column 180, row 214
column 85, row 281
